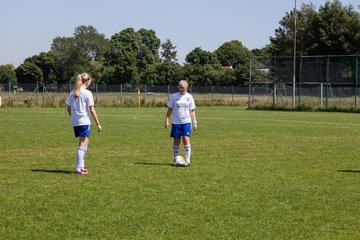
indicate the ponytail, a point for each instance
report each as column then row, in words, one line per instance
column 80, row 80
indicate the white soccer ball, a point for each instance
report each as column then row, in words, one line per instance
column 179, row 161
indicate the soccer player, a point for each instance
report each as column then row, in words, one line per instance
column 182, row 105
column 80, row 104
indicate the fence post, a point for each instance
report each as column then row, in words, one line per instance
column 145, row 90
column 212, row 93
column 121, row 94
column 10, row 94
column 300, row 68
column 43, row 98
column 249, row 99
column 232, row 94
column 327, row 81
column 274, row 94
column 356, row 77
column 321, row 94
column 37, row 94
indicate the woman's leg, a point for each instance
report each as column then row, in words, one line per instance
column 81, row 152
column 187, row 148
column 176, row 147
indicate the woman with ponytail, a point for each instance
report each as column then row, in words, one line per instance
column 80, row 105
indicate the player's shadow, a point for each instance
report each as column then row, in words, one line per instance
column 349, row 171
column 153, row 164
column 52, row 171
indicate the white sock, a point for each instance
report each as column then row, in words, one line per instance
column 80, row 158
column 175, row 150
column 187, row 152
column 83, row 164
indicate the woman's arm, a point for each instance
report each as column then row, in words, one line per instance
column 93, row 113
column 193, row 119
column 167, row 119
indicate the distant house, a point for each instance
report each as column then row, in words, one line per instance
column 265, row 70
column 228, row 67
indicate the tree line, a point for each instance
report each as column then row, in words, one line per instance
column 139, row 57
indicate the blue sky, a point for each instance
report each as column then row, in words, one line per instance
column 29, row 26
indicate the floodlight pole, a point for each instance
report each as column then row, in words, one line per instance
column 294, row 67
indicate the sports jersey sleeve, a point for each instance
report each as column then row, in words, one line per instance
column 171, row 102
column 90, row 99
column 68, row 100
column 192, row 104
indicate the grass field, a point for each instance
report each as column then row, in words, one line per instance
column 254, row 175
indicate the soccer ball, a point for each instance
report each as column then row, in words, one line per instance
column 179, row 161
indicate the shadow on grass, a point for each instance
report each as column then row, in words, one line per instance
column 52, row 171
column 154, row 164
column 349, row 171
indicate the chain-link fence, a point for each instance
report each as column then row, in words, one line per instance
column 28, row 95
column 320, row 81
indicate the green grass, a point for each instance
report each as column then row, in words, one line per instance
column 254, row 175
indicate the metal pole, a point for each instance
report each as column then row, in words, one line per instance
column 300, row 69
column 121, row 93
column 37, row 94
column 327, row 81
column 145, row 93
column 294, row 67
column 249, row 99
column 212, row 93
column 321, row 95
column 232, row 94
column 138, row 95
column 9, row 94
column 274, row 94
column 356, row 78
column 42, row 98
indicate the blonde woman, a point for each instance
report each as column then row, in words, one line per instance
column 80, row 105
column 182, row 105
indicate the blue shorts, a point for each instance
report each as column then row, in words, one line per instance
column 178, row 130
column 82, row 131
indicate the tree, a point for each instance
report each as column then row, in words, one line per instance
column 233, row 54
column 168, row 73
column 46, row 67
column 333, row 30
column 7, row 74
column 122, row 56
column 201, row 75
column 150, row 41
column 149, row 75
column 204, row 68
column 133, row 54
column 64, row 46
column 260, row 52
column 28, row 72
column 201, row 57
column 84, row 52
column 168, row 52
column 49, row 63
column 339, row 29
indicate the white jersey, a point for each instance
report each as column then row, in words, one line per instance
column 80, row 107
column 181, row 105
